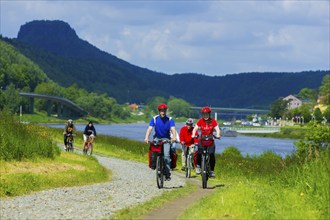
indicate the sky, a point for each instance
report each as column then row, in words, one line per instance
column 207, row 37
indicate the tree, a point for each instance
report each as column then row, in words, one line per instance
column 316, row 140
column 326, row 113
column 47, row 88
column 154, row 102
column 306, row 113
column 278, row 108
column 179, row 107
column 307, row 93
column 325, row 90
column 12, row 99
column 2, row 100
column 318, row 115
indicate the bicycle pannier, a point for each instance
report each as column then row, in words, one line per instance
column 152, row 154
column 173, row 159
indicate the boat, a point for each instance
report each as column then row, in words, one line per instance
column 226, row 132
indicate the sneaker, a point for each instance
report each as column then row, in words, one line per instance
column 198, row 170
column 168, row 178
column 65, row 147
column 183, row 168
column 212, row 174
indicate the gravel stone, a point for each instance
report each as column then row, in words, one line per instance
column 132, row 183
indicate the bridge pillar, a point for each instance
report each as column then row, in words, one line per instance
column 49, row 108
column 31, row 106
column 59, row 110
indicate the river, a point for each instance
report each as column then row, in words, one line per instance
column 246, row 144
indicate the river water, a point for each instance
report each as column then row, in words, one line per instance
column 246, row 144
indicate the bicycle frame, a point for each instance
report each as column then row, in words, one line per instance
column 189, row 161
column 88, row 148
column 69, row 142
column 160, row 162
column 205, row 167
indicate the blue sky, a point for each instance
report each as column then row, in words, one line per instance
column 207, row 37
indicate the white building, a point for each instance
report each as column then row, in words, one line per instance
column 294, row 102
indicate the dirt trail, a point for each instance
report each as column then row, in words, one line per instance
column 173, row 209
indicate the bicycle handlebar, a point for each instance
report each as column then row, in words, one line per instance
column 163, row 140
column 207, row 135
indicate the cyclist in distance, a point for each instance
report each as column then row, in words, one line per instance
column 186, row 140
column 89, row 130
column 163, row 126
column 206, row 125
column 69, row 128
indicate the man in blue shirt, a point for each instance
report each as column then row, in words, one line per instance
column 164, row 128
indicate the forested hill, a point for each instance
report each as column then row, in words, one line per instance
column 67, row 59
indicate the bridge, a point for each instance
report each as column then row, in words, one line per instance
column 234, row 112
column 65, row 107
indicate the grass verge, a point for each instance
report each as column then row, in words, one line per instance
column 136, row 212
column 18, row 178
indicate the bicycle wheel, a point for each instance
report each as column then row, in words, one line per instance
column 188, row 166
column 89, row 150
column 204, row 172
column 160, row 172
column 70, row 147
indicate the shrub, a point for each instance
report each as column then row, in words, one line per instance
column 316, row 140
column 231, row 152
column 19, row 141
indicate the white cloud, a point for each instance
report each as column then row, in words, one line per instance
column 211, row 37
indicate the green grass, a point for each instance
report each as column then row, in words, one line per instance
column 138, row 211
column 22, row 177
column 31, row 161
column 252, row 199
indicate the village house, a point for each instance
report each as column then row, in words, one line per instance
column 294, row 102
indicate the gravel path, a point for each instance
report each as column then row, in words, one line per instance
column 132, row 183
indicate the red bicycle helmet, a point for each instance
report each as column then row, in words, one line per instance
column 206, row 109
column 162, row 106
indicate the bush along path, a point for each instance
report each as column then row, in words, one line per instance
column 132, row 183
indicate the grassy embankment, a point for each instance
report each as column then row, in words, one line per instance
column 30, row 161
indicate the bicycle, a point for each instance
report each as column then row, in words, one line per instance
column 189, row 160
column 88, row 148
column 205, row 166
column 69, row 147
column 158, row 144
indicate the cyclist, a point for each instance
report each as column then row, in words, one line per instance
column 164, row 127
column 89, row 130
column 206, row 125
column 69, row 128
column 186, row 140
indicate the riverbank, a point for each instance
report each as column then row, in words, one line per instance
column 287, row 132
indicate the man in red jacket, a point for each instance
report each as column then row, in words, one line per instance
column 186, row 140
